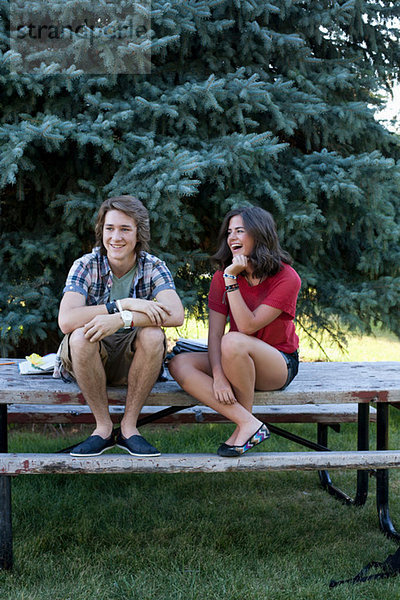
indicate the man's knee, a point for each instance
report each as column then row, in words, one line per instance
column 78, row 344
column 151, row 340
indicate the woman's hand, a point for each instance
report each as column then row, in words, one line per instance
column 155, row 311
column 101, row 326
column 239, row 264
column 223, row 391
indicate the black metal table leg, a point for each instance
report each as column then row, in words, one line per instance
column 382, row 475
column 362, row 444
column 6, row 557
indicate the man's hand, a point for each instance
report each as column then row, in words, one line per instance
column 101, row 326
column 155, row 311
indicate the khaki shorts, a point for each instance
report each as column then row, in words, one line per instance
column 116, row 353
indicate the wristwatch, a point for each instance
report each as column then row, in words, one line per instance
column 126, row 316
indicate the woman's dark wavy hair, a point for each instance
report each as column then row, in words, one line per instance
column 132, row 207
column 267, row 255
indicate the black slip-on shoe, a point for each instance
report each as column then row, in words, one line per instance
column 259, row 436
column 94, row 445
column 224, row 448
column 136, row 445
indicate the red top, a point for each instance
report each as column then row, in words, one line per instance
column 279, row 291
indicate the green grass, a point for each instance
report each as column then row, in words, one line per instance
column 234, row 536
column 192, row 536
column 381, row 346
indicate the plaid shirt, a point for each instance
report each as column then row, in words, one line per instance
column 92, row 277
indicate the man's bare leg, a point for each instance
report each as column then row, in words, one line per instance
column 143, row 373
column 91, row 378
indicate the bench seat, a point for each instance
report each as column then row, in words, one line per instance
column 28, row 464
column 284, row 413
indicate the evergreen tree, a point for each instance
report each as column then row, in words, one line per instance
column 268, row 103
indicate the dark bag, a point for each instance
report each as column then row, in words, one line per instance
column 390, row 568
column 183, row 345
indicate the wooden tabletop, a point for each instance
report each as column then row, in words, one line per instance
column 316, row 383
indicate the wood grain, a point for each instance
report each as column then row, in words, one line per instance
column 284, row 413
column 30, row 464
column 317, row 383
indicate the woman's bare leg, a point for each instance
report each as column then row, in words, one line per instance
column 193, row 373
column 250, row 364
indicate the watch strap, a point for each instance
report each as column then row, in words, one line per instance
column 111, row 307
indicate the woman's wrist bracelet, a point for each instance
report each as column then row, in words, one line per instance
column 228, row 276
column 232, row 288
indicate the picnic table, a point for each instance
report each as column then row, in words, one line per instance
column 374, row 384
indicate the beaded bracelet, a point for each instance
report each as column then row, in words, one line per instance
column 232, row 288
column 227, row 276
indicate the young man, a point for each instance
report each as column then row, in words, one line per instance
column 112, row 324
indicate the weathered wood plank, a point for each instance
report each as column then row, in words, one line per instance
column 317, row 383
column 284, row 413
column 29, row 464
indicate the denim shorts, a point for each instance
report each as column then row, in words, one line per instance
column 292, row 361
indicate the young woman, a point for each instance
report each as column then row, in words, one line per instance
column 257, row 288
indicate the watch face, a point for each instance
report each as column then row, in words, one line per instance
column 126, row 317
